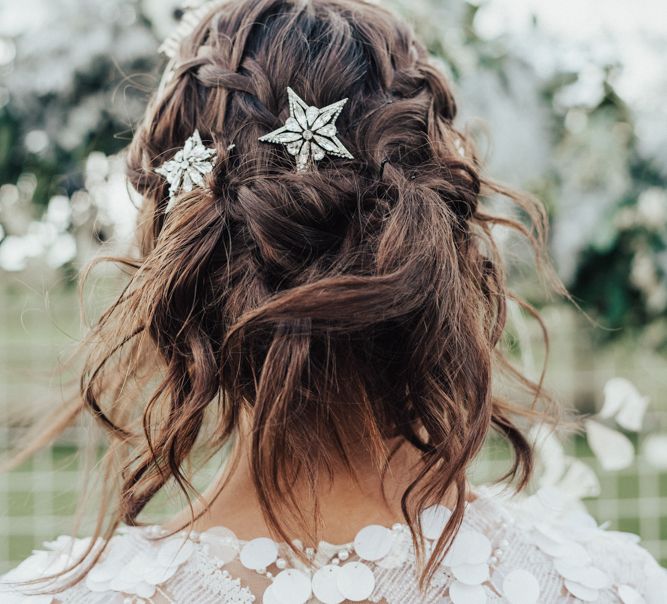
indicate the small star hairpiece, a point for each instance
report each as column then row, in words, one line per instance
column 309, row 132
column 187, row 168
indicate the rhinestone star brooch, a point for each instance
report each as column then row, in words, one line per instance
column 188, row 167
column 309, row 132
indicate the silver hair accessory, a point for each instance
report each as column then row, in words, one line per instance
column 309, row 132
column 187, row 168
column 193, row 12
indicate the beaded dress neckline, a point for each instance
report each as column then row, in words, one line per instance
column 536, row 550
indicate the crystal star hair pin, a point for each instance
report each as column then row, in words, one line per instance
column 187, row 168
column 309, row 132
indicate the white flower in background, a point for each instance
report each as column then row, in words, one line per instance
column 15, row 252
column 550, row 453
column 613, row 450
column 625, row 218
column 579, row 480
column 655, row 451
column 652, row 208
column 62, row 251
column 57, row 40
column 571, row 477
column 36, row 141
column 52, row 240
column 656, row 301
column 193, row 12
column 59, row 212
column 115, row 202
column 624, row 403
column 47, row 239
column 162, row 15
column 643, row 274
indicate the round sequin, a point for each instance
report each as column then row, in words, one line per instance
column 259, row 553
column 156, row 574
column 588, row 576
column 587, row 594
column 291, row 586
column 222, row 544
column 355, row 581
column 433, row 521
column 398, row 554
column 469, row 547
column 629, row 595
column 521, row 587
column 325, row 585
column 595, row 578
column 111, row 565
column 373, row 542
column 577, row 554
column 269, row 596
column 460, row 593
column 549, row 546
column 175, row 552
column 550, row 541
column 471, row 574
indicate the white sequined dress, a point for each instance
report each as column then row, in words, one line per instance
column 532, row 551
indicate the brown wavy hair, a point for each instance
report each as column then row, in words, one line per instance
column 367, row 294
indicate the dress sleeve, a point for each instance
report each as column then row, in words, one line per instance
column 45, row 576
column 637, row 576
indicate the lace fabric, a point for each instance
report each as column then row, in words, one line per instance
column 528, row 551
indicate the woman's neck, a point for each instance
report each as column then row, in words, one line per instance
column 347, row 502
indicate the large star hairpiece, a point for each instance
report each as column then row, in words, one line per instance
column 309, row 132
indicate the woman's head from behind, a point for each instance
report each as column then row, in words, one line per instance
column 362, row 298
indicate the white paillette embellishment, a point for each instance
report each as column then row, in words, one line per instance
column 433, row 521
column 221, row 543
column 143, row 572
column 521, row 587
column 309, row 132
column 188, row 167
column 629, row 595
column 373, row 542
column 356, row 581
column 325, row 585
column 505, row 554
column 259, row 553
column 468, row 562
column 291, row 585
column 572, row 562
column 460, row 593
